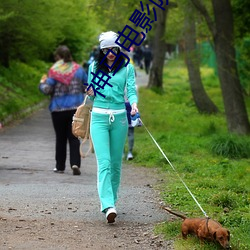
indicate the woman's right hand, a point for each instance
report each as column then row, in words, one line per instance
column 134, row 109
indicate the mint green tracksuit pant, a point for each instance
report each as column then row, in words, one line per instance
column 108, row 135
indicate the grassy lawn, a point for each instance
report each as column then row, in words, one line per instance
column 214, row 164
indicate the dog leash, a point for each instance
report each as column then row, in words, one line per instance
column 174, row 170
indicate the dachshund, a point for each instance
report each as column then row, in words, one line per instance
column 204, row 229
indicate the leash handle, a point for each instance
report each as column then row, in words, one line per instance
column 174, row 170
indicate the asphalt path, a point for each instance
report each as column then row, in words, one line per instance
column 26, row 164
column 31, row 190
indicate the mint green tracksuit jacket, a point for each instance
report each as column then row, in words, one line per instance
column 109, row 131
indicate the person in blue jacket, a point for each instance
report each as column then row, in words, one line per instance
column 65, row 84
column 109, row 124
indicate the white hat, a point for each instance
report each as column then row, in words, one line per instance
column 107, row 39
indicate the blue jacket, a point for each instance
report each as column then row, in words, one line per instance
column 65, row 97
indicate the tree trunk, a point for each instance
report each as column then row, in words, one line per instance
column 223, row 37
column 235, row 109
column 159, row 50
column 201, row 99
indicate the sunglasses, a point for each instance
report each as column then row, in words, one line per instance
column 105, row 51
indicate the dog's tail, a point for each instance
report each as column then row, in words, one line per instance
column 175, row 213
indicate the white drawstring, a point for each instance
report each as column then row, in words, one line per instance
column 110, row 112
column 111, row 117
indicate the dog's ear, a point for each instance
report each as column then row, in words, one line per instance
column 214, row 235
column 228, row 237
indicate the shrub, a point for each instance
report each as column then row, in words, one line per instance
column 223, row 200
column 231, row 146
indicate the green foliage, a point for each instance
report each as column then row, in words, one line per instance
column 41, row 29
column 175, row 24
column 231, row 146
column 242, row 35
column 176, row 18
column 19, row 87
column 241, row 17
column 115, row 10
column 243, row 59
column 219, row 183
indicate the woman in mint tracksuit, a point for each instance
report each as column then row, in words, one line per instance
column 109, row 123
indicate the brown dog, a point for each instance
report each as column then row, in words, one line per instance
column 204, row 229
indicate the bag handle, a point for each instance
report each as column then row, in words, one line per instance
column 85, row 99
column 85, row 139
column 91, row 148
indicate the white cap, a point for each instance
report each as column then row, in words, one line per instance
column 107, row 39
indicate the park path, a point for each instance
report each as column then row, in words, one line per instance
column 43, row 210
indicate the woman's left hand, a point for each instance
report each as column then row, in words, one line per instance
column 90, row 92
column 43, row 79
column 134, row 109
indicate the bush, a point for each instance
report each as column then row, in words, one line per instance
column 224, row 200
column 19, row 88
column 231, row 146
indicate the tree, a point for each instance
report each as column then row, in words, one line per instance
column 28, row 33
column 159, row 48
column 23, row 33
column 223, row 37
column 201, row 99
column 111, row 14
column 161, row 35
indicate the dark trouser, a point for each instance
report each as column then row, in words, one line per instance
column 130, row 129
column 147, row 65
column 131, row 139
column 62, row 122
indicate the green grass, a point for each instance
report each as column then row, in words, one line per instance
column 214, row 164
column 19, row 88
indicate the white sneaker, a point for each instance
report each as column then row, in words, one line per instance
column 58, row 171
column 111, row 214
column 76, row 170
column 130, row 156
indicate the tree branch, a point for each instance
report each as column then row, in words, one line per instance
column 202, row 9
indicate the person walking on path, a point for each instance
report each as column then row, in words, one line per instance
column 131, row 131
column 109, row 125
column 130, row 135
column 65, row 85
column 147, row 54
